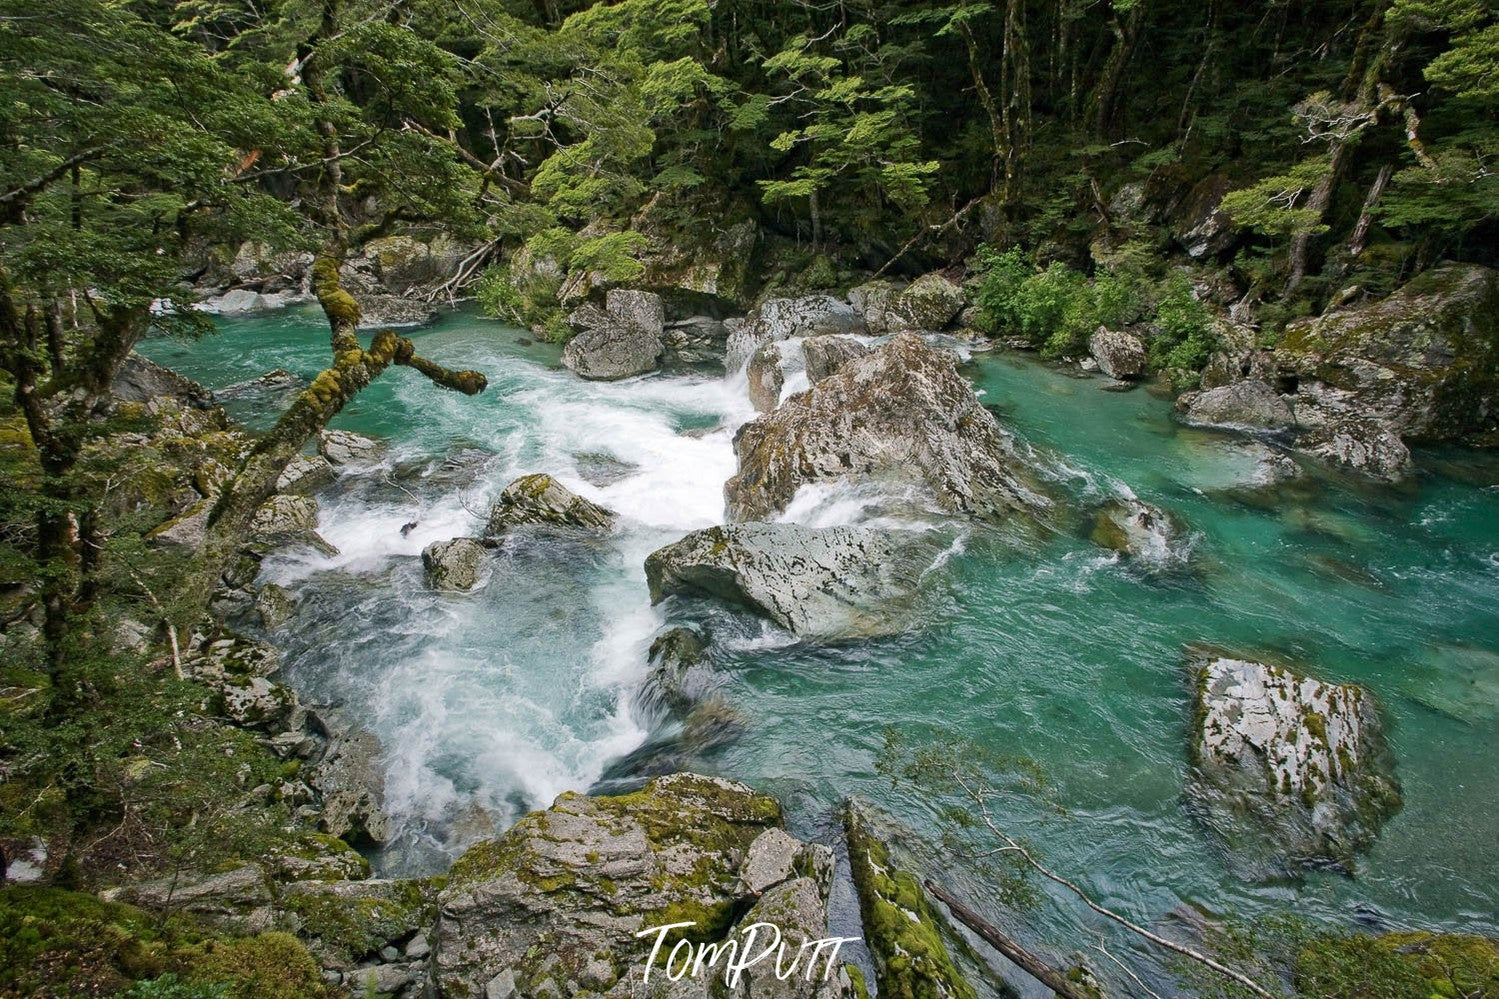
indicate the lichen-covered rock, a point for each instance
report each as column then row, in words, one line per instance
column 901, row 927
column 828, row 582
column 349, row 923
column 555, row 905
column 306, row 474
column 613, row 349
column 380, row 311
column 350, row 781
column 778, row 319
column 641, row 309
column 141, row 380
column 931, row 302
column 1135, row 528
column 1424, row 360
column 902, row 412
column 342, row 447
column 871, row 303
column 1198, row 222
column 1298, row 765
column 673, row 656
column 1119, row 355
column 765, row 377
column 826, row 354
column 455, row 564
column 1364, row 446
column 290, row 520
column 541, row 499
column 1246, row 405
column 274, row 604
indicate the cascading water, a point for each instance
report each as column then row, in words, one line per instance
column 490, row 703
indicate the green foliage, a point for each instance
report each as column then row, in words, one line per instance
column 1187, row 336
column 168, row 986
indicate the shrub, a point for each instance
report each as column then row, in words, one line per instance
column 1187, row 337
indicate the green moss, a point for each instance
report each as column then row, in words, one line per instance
column 268, row 966
column 352, row 926
column 911, row 959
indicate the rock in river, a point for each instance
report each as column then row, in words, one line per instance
column 826, row 354
column 1119, row 355
column 1298, row 764
column 541, row 499
column 453, row 564
column 568, row 902
column 828, row 582
column 623, row 339
column 1246, row 405
column 902, row 412
column 1366, row 446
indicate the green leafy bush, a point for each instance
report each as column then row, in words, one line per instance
column 1056, row 309
column 1187, row 337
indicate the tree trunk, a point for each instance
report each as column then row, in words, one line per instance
column 1018, row 955
column 1360, row 236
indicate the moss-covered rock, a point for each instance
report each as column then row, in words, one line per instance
column 901, row 929
column 1425, row 360
column 560, row 898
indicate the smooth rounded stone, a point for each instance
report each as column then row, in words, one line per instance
column 1365, row 446
column 342, row 447
column 141, row 380
column 826, row 354
column 1119, row 355
column 643, row 310
column 901, row 411
column 1247, row 405
column 612, row 350
column 1140, row 530
column 765, row 377
column 417, row 947
column 824, row 583
column 541, row 499
column 393, row 310
column 306, row 474
column 539, row 905
column 1289, row 770
column 1421, row 360
column 453, row 565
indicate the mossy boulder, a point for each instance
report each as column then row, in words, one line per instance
column 1424, row 360
column 348, row 923
column 541, row 499
column 901, row 928
column 1289, row 771
column 455, row 564
column 555, row 904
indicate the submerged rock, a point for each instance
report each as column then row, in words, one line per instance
column 765, row 377
column 568, row 902
column 1246, row 405
column 673, row 655
column 903, row 412
column 1138, row 529
column 829, row 582
column 901, row 927
column 1119, row 355
column 1297, row 764
column 1424, row 360
column 541, row 499
column 1364, row 446
column 619, row 341
column 453, row 565
column 826, row 354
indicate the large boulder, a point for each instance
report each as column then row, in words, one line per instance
column 141, row 380
column 902, row 412
column 306, row 474
column 1119, row 355
column 1198, row 222
column 1424, row 360
column 572, row 901
column 1246, row 405
column 778, row 319
column 765, row 377
column 931, row 302
column 1289, row 770
column 621, row 340
column 455, row 564
column 828, row 582
column 826, row 354
column 350, row 781
column 1364, row 446
column 541, row 499
column 343, row 447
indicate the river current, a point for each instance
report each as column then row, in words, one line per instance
column 489, row 704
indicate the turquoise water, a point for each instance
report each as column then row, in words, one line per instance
column 1045, row 646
